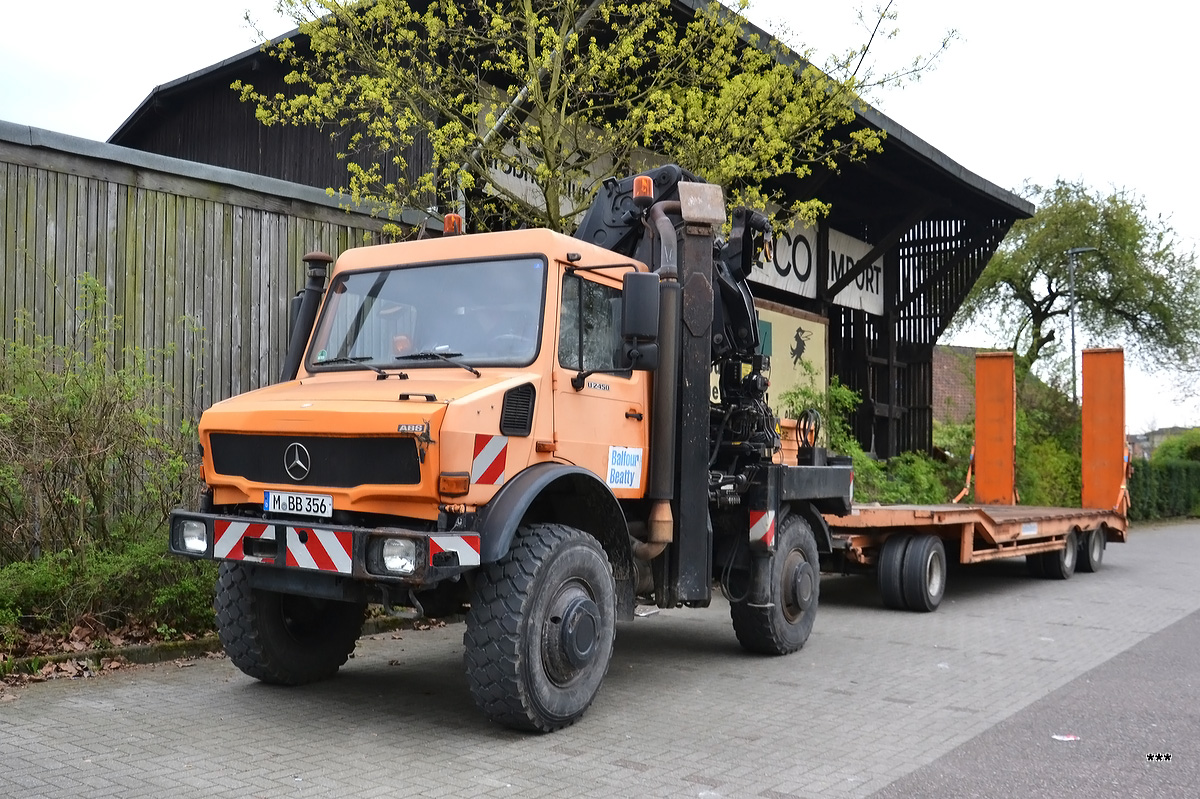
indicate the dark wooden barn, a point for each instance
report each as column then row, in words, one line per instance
column 910, row 230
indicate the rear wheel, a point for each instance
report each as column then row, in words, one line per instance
column 540, row 629
column 1036, row 564
column 1091, row 550
column 781, row 626
column 1060, row 565
column 283, row 639
column 924, row 573
column 890, row 570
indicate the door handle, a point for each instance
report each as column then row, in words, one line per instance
column 632, row 414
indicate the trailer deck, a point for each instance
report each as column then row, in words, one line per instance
column 981, row 532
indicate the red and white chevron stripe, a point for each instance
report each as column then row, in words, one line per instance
column 467, row 547
column 320, row 550
column 762, row 527
column 487, row 465
column 228, row 536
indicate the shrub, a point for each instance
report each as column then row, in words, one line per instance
column 952, row 444
column 88, row 474
column 910, row 478
column 1047, row 473
column 1182, row 447
column 1164, row 489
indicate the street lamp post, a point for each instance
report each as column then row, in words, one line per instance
column 1072, row 255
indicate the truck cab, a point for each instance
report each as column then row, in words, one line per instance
column 436, row 372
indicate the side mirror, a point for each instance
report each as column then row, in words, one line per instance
column 640, row 317
column 639, row 321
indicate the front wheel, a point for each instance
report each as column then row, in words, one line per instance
column 283, row 639
column 540, row 629
column 782, row 625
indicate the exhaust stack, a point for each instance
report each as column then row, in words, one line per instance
column 306, row 316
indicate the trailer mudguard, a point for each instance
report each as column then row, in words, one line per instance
column 557, row 492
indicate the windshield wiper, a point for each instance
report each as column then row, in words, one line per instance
column 358, row 360
column 430, row 355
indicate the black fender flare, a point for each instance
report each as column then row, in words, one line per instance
column 564, row 494
column 816, row 521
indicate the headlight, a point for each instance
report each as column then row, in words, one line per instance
column 400, row 555
column 194, row 536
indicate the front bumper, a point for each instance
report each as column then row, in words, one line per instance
column 323, row 549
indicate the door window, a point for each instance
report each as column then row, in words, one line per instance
column 589, row 330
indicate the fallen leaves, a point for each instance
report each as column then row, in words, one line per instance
column 36, row 670
column 89, row 633
column 424, row 623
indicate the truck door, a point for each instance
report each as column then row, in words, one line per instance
column 604, row 425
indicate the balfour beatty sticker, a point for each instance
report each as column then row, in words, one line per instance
column 624, row 467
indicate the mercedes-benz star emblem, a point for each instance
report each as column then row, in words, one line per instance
column 296, row 461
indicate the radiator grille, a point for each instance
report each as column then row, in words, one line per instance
column 334, row 462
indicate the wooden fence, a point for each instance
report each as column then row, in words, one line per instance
column 198, row 262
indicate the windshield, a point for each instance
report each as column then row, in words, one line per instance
column 486, row 313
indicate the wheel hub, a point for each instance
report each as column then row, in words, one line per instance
column 1069, row 551
column 934, row 576
column 579, row 631
column 570, row 634
column 802, row 586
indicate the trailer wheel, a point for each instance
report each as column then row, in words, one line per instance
column 924, row 573
column 890, row 570
column 1060, row 565
column 1036, row 565
column 1091, row 550
column 283, row 639
column 783, row 625
column 540, row 629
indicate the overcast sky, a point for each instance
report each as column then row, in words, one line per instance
column 1032, row 90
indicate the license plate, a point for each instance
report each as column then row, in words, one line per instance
column 301, row 504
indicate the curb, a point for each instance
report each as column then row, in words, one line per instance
column 145, row 654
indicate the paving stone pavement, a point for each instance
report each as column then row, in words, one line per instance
column 873, row 696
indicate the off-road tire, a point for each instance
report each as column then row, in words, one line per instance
column 283, row 639
column 525, row 668
column 783, row 625
column 889, row 570
column 924, row 573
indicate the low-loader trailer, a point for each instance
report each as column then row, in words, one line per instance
column 907, row 545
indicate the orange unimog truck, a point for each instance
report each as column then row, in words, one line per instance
column 518, row 423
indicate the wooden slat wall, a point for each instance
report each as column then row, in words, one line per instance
column 199, row 273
